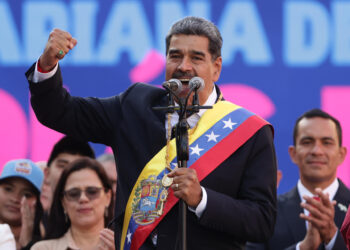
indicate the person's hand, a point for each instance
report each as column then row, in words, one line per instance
column 312, row 239
column 59, row 44
column 106, row 240
column 186, row 186
column 321, row 215
column 28, row 214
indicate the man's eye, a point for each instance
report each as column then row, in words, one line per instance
column 327, row 142
column 306, row 142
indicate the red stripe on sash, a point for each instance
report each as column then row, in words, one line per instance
column 220, row 152
column 204, row 166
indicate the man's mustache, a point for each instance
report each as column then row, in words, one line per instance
column 179, row 74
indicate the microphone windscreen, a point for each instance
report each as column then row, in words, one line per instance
column 197, row 83
column 174, row 84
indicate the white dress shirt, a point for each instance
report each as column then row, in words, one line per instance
column 331, row 190
column 192, row 122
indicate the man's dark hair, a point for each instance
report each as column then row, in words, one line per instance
column 317, row 113
column 70, row 145
column 199, row 27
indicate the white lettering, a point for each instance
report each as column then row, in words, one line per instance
column 168, row 12
column 341, row 52
column 10, row 52
column 243, row 32
column 307, row 33
column 38, row 21
column 84, row 30
column 126, row 30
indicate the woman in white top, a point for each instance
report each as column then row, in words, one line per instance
column 81, row 209
column 7, row 241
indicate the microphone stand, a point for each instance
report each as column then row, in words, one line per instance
column 182, row 147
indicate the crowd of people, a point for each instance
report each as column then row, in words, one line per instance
column 68, row 202
column 72, row 201
column 65, row 203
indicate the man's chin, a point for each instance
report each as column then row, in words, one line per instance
column 183, row 94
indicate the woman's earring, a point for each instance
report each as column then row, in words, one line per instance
column 65, row 216
column 106, row 212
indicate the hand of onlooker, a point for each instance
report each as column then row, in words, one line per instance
column 59, row 44
column 28, row 214
column 186, row 186
column 312, row 238
column 106, row 240
column 321, row 215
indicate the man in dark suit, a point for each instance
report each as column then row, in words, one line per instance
column 311, row 214
column 228, row 199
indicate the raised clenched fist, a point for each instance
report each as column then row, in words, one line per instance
column 58, row 45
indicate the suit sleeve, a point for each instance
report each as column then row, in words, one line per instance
column 261, row 246
column 255, row 246
column 339, row 242
column 85, row 118
column 250, row 214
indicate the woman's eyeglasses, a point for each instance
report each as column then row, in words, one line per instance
column 91, row 193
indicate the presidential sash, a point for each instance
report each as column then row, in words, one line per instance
column 218, row 134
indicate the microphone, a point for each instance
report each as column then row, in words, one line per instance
column 174, row 84
column 196, row 83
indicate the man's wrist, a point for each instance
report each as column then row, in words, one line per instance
column 43, row 69
column 330, row 244
column 40, row 76
column 202, row 204
column 331, row 235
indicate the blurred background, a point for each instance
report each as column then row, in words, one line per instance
column 280, row 58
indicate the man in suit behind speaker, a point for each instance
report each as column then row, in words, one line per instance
column 310, row 215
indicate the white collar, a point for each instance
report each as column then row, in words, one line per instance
column 209, row 102
column 193, row 119
column 331, row 190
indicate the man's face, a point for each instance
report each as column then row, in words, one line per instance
column 189, row 56
column 317, row 152
column 57, row 166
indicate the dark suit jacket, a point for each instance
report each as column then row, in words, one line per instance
column 290, row 228
column 241, row 192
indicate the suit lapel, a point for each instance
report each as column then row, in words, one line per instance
column 291, row 211
column 343, row 200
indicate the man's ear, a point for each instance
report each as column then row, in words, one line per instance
column 292, row 151
column 342, row 154
column 217, row 68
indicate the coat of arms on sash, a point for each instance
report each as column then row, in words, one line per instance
column 149, row 199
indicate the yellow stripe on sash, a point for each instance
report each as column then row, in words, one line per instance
column 157, row 164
